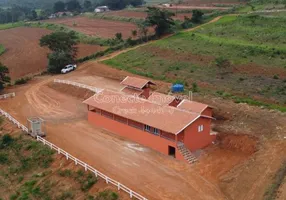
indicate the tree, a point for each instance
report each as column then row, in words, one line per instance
column 87, row 5
column 118, row 36
column 32, row 15
column 63, row 47
column 143, row 30
column 57, row 60
column 134, row 33
column 4, row 78
column 73, row 5
column 121, row 4
column 59, row 6
column 61, row 41
column 161, row 19
column 197, row 16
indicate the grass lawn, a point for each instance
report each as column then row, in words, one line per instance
column 238, row 57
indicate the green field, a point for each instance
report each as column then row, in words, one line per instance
column 238, row 57
column 2, row 49
column 11, row 25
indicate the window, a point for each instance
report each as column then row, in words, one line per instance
column 147, row 128
column 156, row 131
column 200, row 128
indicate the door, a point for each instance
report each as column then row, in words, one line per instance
column 172, row 151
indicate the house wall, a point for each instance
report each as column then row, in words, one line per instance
column 175, row 103
column 193, row 139
column 135, row 134
column 146, row 92
column 208, row 112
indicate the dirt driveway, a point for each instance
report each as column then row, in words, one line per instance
column 152, row 174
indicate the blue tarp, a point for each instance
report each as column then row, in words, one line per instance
column 177, row 88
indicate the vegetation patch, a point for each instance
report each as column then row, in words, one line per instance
column 271, row 192
column 2, row 49
column 219, row 57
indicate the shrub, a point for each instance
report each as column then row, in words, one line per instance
column 195, row 87
column 275, row 76
column 107, row 195
column 22, row 81
column 88, row 182
column 187, row 23
column 65, row 173
column 3, row 158
column 6, row 140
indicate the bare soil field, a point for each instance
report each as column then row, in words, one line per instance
column 23, row 54
column 224, row 171
column 143, row 15
column 97, row 27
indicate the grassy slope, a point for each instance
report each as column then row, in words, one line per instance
column 11, row 25
column 191, row 57
column 30, row 170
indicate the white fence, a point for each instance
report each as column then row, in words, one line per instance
column 97, row 173
column 5, row 96
column 94, row 89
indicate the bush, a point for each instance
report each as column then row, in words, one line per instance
column 107, row 195
column 3, row 158
column 6, row 140
column 22, row 81
column 195, row 87
column 275, row 76
column 65, row 173
column 187, row 23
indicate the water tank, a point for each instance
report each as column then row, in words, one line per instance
column 177, row 88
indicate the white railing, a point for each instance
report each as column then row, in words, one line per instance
column 14, row 121
column 97, row 173
column 5, row 96
column 94, row 89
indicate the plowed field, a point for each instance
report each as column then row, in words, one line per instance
column 142, row 15
column 23, row 54
column 97, row 27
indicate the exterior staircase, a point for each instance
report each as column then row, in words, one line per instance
column 189, row 157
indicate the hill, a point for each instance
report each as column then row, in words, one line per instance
column 225, row 58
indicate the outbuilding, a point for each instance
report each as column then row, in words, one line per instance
column 170, row 129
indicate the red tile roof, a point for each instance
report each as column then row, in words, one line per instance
column 136, row 82
column 131, row 91
column 162, row 99
column 165, row 118
column 192, row 106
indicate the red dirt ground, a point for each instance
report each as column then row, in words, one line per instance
column 142, row 15
column 23, row 54
column 97, row 27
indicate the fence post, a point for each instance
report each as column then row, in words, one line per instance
column 106, row 180
column 85, row 167
column 67, row 156
column 59, row 151
column 131, row 195
column 95, row 173
column 75, row 161
column 118, row 185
